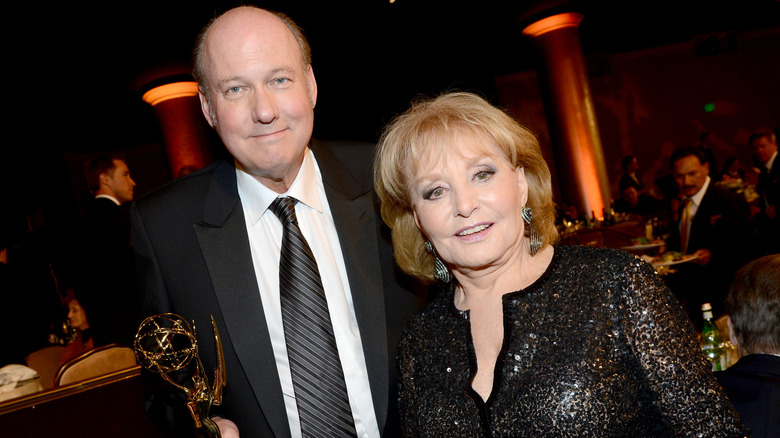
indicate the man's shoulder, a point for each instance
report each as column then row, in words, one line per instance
column 192, row 189
column 722, row 198
column 355, row 156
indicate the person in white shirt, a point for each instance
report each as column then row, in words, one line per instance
column 714, row 229
column 764, row 145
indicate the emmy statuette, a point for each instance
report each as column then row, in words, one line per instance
column 164, row 344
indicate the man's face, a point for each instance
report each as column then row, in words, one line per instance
column 262, row 96
column 631, row 195
column 764, row 148
column 118, row 182
column 633, row 166
column 690, row 174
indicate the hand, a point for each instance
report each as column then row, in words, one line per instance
column 227, row 428
column 703, row 256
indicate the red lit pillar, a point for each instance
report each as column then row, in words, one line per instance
column 570, row 114
column 186, row 134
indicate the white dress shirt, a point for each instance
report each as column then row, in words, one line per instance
column 265, row 239
column 116, row 201
column 693, row 208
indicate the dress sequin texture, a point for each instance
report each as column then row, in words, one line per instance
column 598, row 346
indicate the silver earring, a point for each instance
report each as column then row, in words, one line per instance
column 536, row 241
column 440, row 271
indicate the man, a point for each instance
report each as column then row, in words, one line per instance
column 753, row 383
column 105, row 259
column 209, row 244
column 109, row 178
column 630, row 178
column 638, row 204
column 714, row 226
column 764, row 145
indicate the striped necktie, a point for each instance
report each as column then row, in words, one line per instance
column 318, row 379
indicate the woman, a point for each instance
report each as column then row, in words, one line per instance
column 77, row 318
column 526, row 338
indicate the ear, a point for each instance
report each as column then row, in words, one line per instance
column 311, row 85
column 416, row 219
column 104, row 178
column 205, row 107
column 522, row 183
column 732, row 335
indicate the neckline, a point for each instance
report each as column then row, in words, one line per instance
column 536, row 284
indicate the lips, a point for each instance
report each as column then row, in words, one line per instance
column 473, row 230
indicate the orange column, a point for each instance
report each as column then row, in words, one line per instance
column 571, row 117
column 186, row 134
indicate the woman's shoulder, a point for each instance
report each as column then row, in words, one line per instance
column 437, row 312
column 597, row 257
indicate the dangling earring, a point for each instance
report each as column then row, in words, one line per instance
column 536, row 241
column 440, row 271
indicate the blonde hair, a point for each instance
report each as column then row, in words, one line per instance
column 434, row 123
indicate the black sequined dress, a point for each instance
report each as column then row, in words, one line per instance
column 597, row 346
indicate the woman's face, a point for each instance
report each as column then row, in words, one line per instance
column 76, row 316
column 468, row 203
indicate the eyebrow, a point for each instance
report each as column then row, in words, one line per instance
column 240, row 78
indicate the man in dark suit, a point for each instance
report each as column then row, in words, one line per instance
column 753, row 383
column 715, row 228
column 105, row 260
column 764, row 145
column 208, row 244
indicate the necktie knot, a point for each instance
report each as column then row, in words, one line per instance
column 284, row 209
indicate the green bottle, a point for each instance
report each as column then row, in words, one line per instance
column 711, row 342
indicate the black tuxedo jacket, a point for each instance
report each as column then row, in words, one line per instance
column 193, row 258
column 722, row 225
column 769, row 185
column 753, row 386
column 104, row 262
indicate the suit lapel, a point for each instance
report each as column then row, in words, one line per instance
column 225, row 246
column 352, row 207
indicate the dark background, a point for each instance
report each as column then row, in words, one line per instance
column 74, row 71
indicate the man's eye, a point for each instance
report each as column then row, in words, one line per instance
column 281, row 81
column 233, row 90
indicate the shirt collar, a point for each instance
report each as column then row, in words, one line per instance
column 771, row 162
column 116, row 201
column 700, row 194
column 256, row 198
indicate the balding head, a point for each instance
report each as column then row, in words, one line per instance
column 247, row 15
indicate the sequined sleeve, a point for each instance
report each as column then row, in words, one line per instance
column 664, row 343
column 407, row 393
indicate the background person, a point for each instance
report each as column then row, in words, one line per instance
column 716, row 229
column 753, row 383
column 526, row 338
column 209, row 244
column 104, row 259
column 77, row 318
column 764, row 145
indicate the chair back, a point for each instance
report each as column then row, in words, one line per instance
column 95, row 362
column 45, row 361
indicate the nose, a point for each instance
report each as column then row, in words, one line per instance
column 465, row 202
column 265, row 109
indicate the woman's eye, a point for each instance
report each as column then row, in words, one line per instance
column 484, row 175
column 434, row 193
